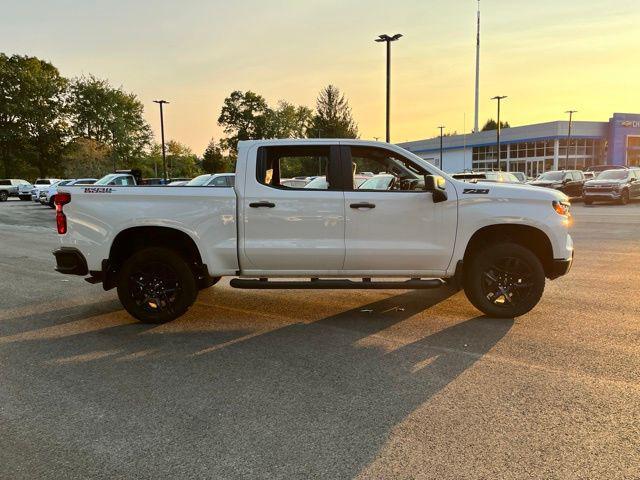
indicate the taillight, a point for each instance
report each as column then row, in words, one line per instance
column 62, row 198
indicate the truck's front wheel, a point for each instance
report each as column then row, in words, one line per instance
column 156, row 285
column 504, row 280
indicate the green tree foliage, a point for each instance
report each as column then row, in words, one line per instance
column 33, row 114
column 244, row 116
column 109, row 115
column 181, row 161
column 493, row 125
column 86, row 157
column 247, row 116
column 214, row 161
column 289, row 121
column 332, row 117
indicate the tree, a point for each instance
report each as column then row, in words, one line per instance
column 33, row 114
column 110, row 116
column 244, row 116
column 333, row 117
column 289, row 121
column 214, row 161
column 493, row 125
column 86, row 157
column 181, row 161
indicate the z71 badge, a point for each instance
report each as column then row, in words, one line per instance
column 476, row 191
column 98, row 190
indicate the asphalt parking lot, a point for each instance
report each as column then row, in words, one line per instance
column 326, row 384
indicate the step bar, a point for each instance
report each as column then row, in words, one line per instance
column 336, row 284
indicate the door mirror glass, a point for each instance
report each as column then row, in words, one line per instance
column 437, row 185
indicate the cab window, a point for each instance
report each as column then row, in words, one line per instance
column 295, row 167
column 391, row 172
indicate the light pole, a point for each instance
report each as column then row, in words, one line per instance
column 164, row 153
column 441, row 127
column 386, row 38
column 499, row 98
column 570, row 112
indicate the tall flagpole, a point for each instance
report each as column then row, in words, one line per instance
column 475, row 128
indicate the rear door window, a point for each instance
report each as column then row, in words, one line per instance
column 294, row 167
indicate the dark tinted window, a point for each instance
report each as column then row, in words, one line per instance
column 5, row 182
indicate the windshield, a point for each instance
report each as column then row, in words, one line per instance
column 613, row 175
column 199, row 181
column 319, row 183
column 553, row 176
column 61, row 183
column 106, row 179
column 42, row 182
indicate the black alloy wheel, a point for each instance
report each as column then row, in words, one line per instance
column 156, row 285
column 504, row 280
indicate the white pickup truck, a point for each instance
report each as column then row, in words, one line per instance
column 159, row 245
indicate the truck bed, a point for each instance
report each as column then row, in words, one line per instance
column 96, row 215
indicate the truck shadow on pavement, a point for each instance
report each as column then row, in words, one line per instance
column 303, row 400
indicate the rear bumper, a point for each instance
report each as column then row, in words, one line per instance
column 70, row 261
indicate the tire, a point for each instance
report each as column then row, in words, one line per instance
column 588, row 202
column 25, row 198
column 504, row 280
column 52, row 202
column 624, row 197
column 4, row 195
column 156, row 285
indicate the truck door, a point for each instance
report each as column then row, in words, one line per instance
column 392, row 223
column 293, row 226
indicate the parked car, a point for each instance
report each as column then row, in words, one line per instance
column 10, row 187
column 41, row 184
column 489, row 176
column 298, row 182
column 588, row 176
column 569, row 182
column 160, row 250
column 521, row 176
column 47, row 197
column 24, row 191
column 320, row 183
column 619, row 185
column 120, row 179
column 598, row 169
column 213, row 180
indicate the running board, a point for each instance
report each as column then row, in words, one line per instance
column 329, row 284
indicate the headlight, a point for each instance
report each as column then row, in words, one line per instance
column 561, row 208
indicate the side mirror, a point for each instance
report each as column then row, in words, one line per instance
column 437, row 185
column 566, row 180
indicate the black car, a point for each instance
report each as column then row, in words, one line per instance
column 618, row 185
column 569, row 182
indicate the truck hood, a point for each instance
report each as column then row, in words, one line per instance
column 596, row 182
column 509, row 190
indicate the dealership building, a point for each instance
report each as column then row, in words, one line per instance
column 536, row 148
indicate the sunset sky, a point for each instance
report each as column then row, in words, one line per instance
column 546, row 55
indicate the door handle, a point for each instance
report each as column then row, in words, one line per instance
column 363, row 205
column 262, row 204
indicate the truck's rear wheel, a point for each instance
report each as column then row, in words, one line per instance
column 4, row 195
column 504, row 280
column 156, row 285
